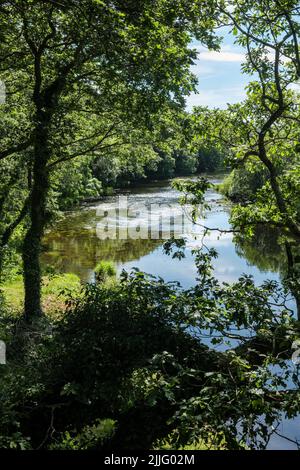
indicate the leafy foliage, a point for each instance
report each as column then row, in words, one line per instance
column 143, row 357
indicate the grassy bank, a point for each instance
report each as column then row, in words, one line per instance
column 56, row 289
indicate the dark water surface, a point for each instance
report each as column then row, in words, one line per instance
column 76, row 244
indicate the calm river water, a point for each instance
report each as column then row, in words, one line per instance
column 77, row 244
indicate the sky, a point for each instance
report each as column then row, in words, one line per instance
column 219, row 75
column 220, row 79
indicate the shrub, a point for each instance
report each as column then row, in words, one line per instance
column 90, row 438
column 105, row 270
column 132, row 354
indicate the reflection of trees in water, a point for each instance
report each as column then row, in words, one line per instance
column 79, row 251
column 73, row 246
column 263, row 250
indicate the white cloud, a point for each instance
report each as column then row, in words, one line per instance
column 220, row 78
column 271, row 56
column 226, row 54
column 203, row 71
column 222, row 56
column 218, row 98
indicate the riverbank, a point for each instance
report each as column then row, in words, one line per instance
column 73, row 244
column 73, row 248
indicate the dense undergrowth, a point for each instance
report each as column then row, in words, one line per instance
column 127, row 366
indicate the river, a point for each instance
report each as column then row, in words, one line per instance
column 91, row 233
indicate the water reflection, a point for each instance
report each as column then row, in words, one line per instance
column 263, row 250
column 73, row 246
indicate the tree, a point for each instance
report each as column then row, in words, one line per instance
column 261, row 134
column 270, row 33
column 263, row 129
column 89, row 57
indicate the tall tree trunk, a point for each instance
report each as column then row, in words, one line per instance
column 37, row 211
column 291, row 224
column 45, row 101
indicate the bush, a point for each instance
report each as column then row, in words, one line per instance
column 185, row 164
column 91, row 437
column 105, row 270
column 241, row 185
column 125, row 367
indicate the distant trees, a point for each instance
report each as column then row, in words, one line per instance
column 210, row 158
